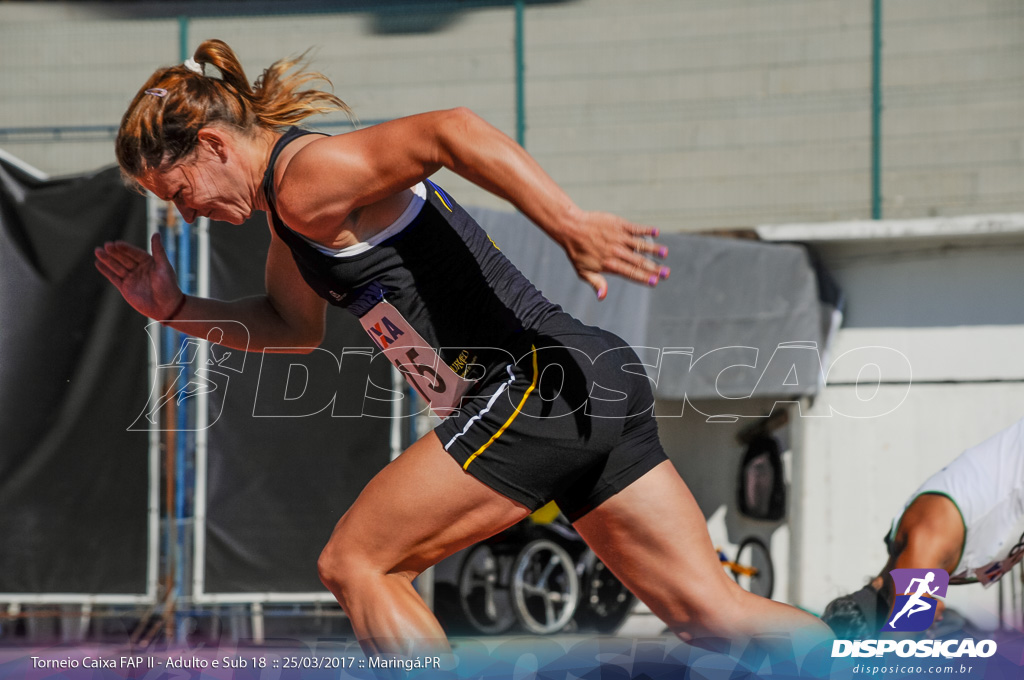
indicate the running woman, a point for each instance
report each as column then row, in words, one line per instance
column 356, row 223
column 967, row 519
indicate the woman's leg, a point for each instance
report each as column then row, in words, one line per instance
column 414, row 513
column 653, row 536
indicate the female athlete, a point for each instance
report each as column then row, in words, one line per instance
column 355, row 222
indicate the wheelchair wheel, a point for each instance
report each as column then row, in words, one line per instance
column 545, row 588
column 605, row 603
column 760, row 576
column 484, row 593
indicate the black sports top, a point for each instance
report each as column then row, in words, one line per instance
column 442, row 273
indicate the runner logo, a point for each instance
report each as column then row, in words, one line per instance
column 915, row 606
column 196, row 368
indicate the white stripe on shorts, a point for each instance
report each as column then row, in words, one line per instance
column 490, row 402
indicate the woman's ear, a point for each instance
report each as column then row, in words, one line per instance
column 214, row 141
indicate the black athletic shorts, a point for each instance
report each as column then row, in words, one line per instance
column 570, row 421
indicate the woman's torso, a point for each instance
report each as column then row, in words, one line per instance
column 433, row 266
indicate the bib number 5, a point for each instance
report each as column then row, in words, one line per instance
column 435, row 384
column 418, row 362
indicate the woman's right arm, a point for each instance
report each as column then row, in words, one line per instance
column 288, row 318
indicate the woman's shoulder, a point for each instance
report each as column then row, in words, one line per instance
column 298, row 158
column 304, row 175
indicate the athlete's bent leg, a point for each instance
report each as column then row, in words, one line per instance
column 414, row 513
column 653, row 536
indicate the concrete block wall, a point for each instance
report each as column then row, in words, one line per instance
column 65, row 71
column 698, row 114
column 953, row 125
column 687, row 114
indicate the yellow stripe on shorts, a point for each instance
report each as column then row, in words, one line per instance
column 511, row 417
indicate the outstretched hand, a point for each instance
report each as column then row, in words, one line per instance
column 147, row 282
column 603, row 243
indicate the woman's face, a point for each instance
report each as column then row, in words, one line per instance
column 210, row 183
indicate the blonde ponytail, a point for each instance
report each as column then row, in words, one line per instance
column 162, row 123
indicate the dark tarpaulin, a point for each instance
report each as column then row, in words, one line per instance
column 73, row 376
column 753, row 313
column 282, row 468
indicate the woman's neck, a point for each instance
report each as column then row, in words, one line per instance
column 259, row 149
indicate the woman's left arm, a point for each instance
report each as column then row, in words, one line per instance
column 330, row 178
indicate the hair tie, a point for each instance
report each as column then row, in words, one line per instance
column 157, row 91
column 194, row 66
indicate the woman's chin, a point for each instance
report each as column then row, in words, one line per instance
column 240, row 218
column 231, row 216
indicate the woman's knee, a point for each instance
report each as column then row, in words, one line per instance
column 335, row 568
column 346, row 565
column 711, row 611
column 341, row 561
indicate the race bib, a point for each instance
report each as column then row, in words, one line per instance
column 991, row 573
column 420, row 363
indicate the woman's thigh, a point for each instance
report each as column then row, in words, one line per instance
column 418, row 510
column 653, row 536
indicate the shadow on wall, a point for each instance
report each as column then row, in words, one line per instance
column 386, row 17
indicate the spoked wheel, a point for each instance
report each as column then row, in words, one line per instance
column 545, row 588
column 754, row 571
column 483, row 591
column 605, row 603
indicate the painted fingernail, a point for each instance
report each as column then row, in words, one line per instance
column 663, row 252
column 652, row 281
column 654, row 232
column 665, row 271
